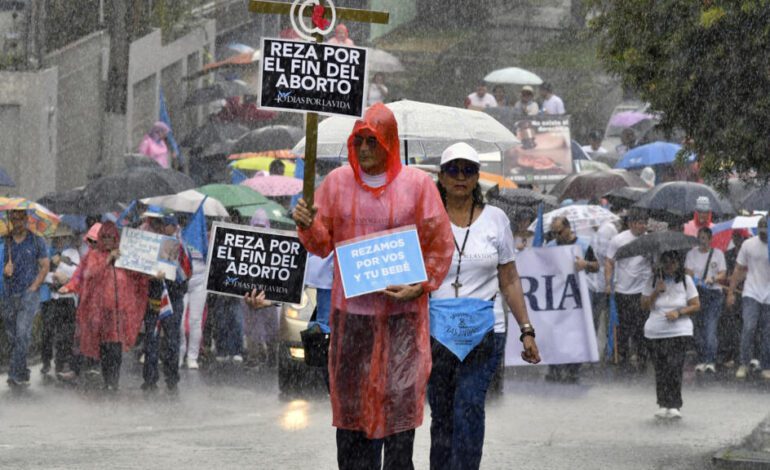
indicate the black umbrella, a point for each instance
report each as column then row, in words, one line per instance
column 214, row 137
column 756, row 200
column 217, row 91
column 679, row 198
column 269, row 138
column 622, row 198
column 591, row 184
column 520, row 197
column 63, row 202
column 108, row 193
column 657, row 243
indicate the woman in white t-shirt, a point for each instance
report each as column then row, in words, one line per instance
column 671, row 298
column 466, row 314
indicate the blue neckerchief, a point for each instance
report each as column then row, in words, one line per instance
column 460, row 324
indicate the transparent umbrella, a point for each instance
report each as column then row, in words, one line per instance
column 513, row 76
column 425, row 130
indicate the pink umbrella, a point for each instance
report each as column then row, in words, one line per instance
column 274, row 185
column 629, row 118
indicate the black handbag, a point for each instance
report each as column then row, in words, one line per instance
column 316, row 345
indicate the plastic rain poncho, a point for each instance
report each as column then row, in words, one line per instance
column 379, row 356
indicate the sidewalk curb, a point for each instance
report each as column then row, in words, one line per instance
column 752, row 454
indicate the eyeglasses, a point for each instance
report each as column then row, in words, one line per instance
column 454, row 170
column 371, row 141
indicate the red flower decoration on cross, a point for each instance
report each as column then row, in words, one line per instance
column 318, row 17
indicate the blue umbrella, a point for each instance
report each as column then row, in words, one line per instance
column 656, row 153
column 5, row 179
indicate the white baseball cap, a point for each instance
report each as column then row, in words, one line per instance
column 460, row 151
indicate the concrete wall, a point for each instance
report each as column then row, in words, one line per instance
column 28, row 130
column 82, row 72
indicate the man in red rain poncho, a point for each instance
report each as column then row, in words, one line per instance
column 379, row 356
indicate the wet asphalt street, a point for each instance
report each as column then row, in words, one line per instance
column 229, row 418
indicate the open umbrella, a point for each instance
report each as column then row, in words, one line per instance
column 723, row 231
column 63, row 202
column 513, row 76
column 263, row 164
column 381, row 61
column 521, row 197
column 268, row 138
column 231, row 195
column 214, row 137
column 274, row 185
column 655, row 153
column 679, row 197
column 593, row 184
column 628, row 118
column 285, row 154
column 583, row 219
column 657, row 243
column 217, row 91
column 425, row 130
column 40, row 220
column 621, row 198
column 108, row 193
column 188, row 201
column 275, row 213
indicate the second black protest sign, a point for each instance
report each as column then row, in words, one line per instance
column 243, row 258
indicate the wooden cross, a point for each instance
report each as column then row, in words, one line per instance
column 311, row 124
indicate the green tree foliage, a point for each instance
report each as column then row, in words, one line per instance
column 705, row 64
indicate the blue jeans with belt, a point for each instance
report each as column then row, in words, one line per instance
column 456, row 394
column 19, row 312
column 706, row 322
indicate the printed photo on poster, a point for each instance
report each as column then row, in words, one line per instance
column 243, row 258
column 545, row 152
column 302, row 76
column 148, row 253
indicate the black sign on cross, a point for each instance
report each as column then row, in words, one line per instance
column 311, row 123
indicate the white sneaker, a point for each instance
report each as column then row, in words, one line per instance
column 700, row 368
column 237, row 359
column 673, row 413
column 711, row 368
column 754, row 364
column 741, row 372
column 662, row 413
column 192, row 363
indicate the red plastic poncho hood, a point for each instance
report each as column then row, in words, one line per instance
column 379, row 120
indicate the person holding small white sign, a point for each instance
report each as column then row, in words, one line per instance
column 466, row 312
column 379, row 354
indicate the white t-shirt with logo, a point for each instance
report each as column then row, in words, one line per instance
column 490, row 243
column 486, row 101
column 754, row 256
column 696, row 262
column 676, row 296
column 631, row 274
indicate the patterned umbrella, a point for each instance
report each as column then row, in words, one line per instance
column 41, row 221
column 583, row 219
column 274, row 185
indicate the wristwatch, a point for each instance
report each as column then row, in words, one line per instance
column 526, row 330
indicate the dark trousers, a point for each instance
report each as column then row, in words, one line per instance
column 668, row 360
column 111, row 357
column 166, row 350
column 58, row 332
column 228, row 325
column 631, row 321
column 356, row 452
column 456, row 394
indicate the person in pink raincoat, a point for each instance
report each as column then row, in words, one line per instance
column 154, row 145
column 341, row 36
column 380, row 354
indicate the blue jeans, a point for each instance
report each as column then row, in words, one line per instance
column 706, row 322
column 167, row 350
column 754, row 313
column 228, row 321
column 18, row 314
column 456, row 394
